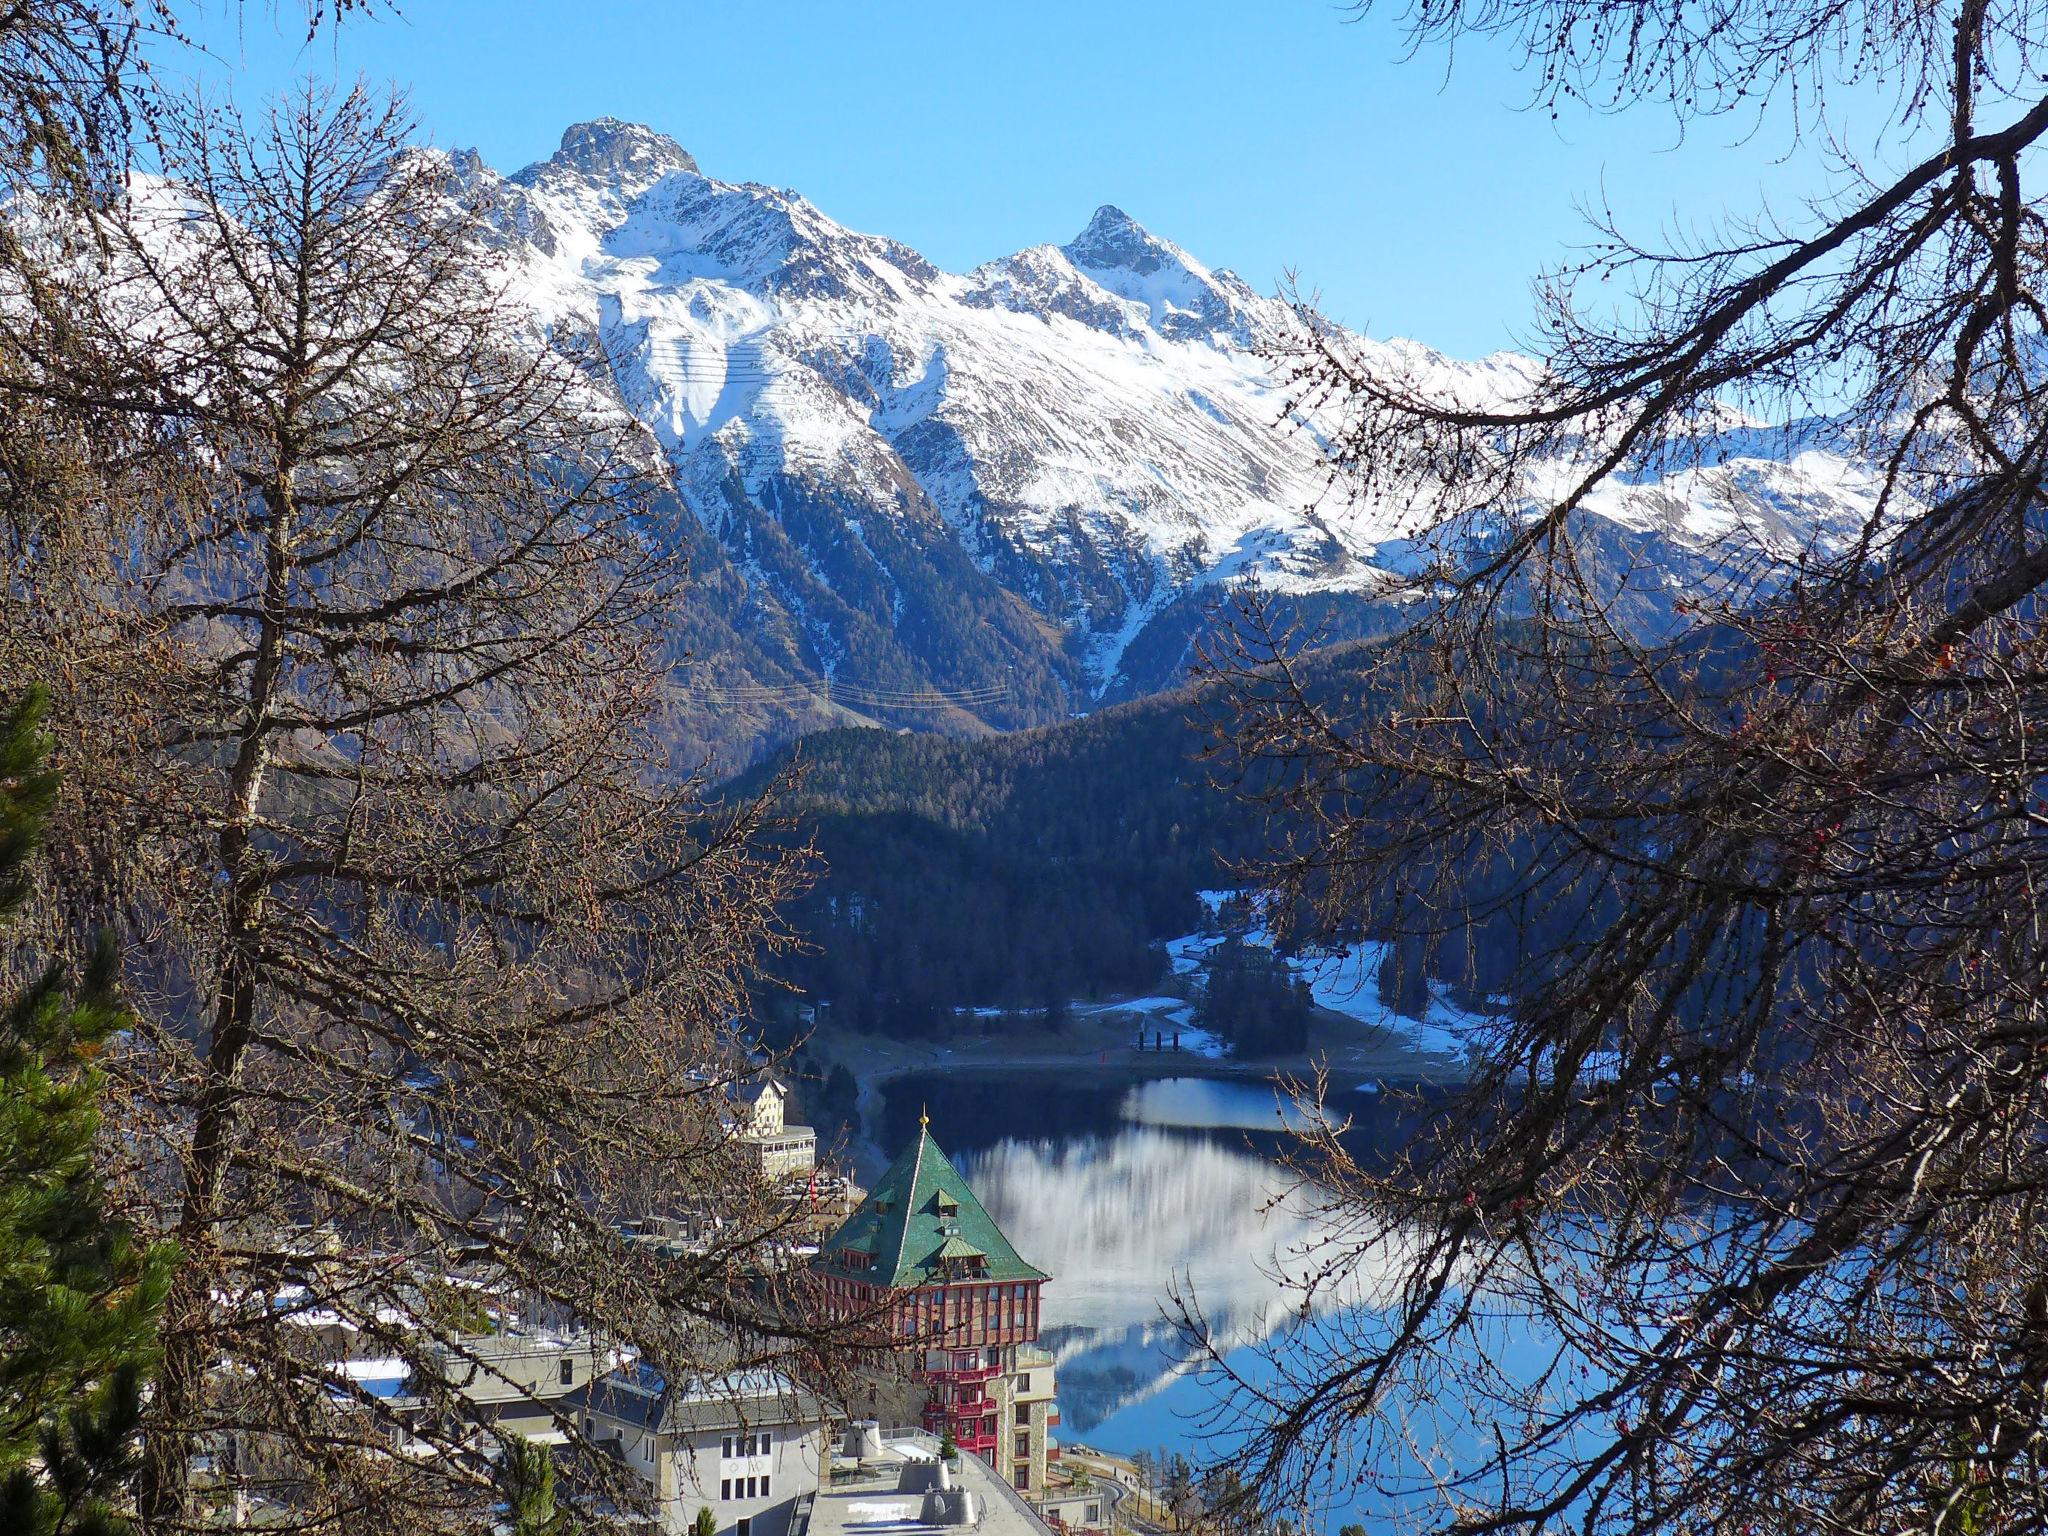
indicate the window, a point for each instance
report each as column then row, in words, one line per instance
column 1022, row 1478
column 745, row 1528
column 724, row 1488
column 750, row 1487
column 764, row 1487
column 725, row 1447
column 1023, row 1442
column 762, row 1450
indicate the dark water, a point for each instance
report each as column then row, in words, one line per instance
column 973, row 1111
column 1123, row 1189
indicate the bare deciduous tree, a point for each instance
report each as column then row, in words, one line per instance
column 358, row 600
column 1758, row 1141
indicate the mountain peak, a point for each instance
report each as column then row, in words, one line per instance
column 628, row 156
column 1110, row 219
column 1114, row 239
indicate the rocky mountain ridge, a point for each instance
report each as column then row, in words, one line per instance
column 996, row 498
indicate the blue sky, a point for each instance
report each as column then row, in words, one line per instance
column 1264, row 135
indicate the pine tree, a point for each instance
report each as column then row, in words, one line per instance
column 79, row 1298
column 529, row 1478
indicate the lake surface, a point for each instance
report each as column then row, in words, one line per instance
column 1123, row 1189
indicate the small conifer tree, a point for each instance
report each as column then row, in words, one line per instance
column 79, row 1298
column 528, row 1472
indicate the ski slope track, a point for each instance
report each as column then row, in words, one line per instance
column 992, row 499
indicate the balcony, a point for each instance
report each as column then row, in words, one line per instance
column 962, row 1373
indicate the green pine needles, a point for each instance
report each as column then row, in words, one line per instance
column 79, row 1298
column 527, row 1473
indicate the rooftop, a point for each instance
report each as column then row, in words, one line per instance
column 639, row 1394
column 922, row 1225
column 862, row 1498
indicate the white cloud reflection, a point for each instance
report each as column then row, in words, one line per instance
column 1119, row 1219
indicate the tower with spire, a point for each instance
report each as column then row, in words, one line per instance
column 923, row 1256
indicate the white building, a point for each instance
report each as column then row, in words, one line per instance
column 746, row 1446
column 892, row 1483
column 781, row 1151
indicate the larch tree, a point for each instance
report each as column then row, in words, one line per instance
column 365, row 614
column 1757, row 1141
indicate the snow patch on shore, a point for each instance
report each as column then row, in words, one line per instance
column 1343, row 979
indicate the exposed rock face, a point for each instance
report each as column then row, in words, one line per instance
column 624, row 159
column 990, row 499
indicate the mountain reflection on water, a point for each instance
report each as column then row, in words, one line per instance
column 1123, row 1191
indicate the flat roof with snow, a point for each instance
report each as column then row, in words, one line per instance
column 863, row 1500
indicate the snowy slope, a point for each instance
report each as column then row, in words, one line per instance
column 962, row 499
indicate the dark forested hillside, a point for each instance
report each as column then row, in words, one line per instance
column 1013, row 871
column 1021, row 871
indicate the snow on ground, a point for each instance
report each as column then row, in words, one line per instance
column 1199, row 1042
column 1175, row 1014
column 1190, row 953
column 1344, row 980
column 1151, row 1007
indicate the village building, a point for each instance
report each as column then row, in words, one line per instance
column 516, row 1380
column 1090, row 1507
column 896, row 1483
column 782, row 1152
column 921, row 1252
column 751, row 1446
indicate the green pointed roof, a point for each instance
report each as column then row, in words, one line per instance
column 920, row 1216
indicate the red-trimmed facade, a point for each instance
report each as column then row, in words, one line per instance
column 923, row 1260
column 967, row 1332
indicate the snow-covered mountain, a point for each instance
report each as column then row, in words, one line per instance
column 991, row 498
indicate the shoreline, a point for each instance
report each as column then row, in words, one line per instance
column 1101, row 1042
